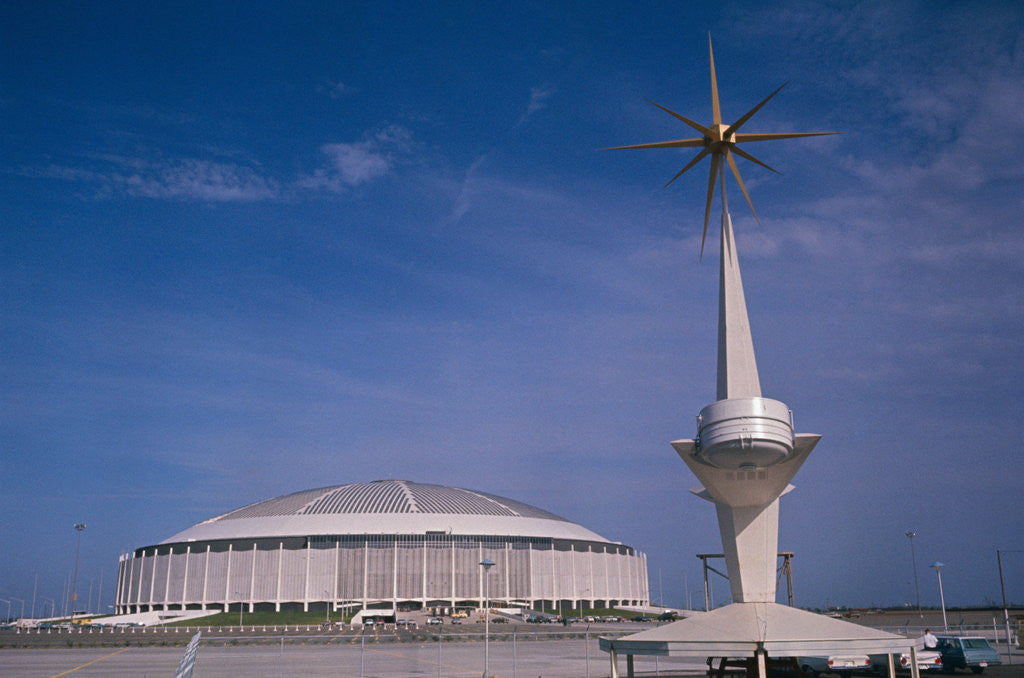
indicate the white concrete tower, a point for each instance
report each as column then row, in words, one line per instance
column 745, row 452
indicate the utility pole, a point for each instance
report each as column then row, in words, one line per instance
column 1006, row 611
column 937, row 566
column 913, row 561
column 74, row 580
column 487, row 564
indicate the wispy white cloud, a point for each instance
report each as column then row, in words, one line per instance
column 1002, row 247
column 467, row 190
column 197, row 179
column 352, row 164
column 538, row 99
column 200, row 180
column 473, row 182
column 186, row 179
column 338, row 90
column 335, row 89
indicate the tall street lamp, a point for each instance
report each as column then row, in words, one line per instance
column 53, row 606
column 74, row 580
column 937, row 566
column 1002, row 589
column 487, row 564
column 913, row 562
column 21, row 615
column 8, row 617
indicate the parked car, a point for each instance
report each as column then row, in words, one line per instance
column 499, row 620
column 642, row 618
column 972, row 653
column 927, row 660
column 842, row 665
column 434, row 620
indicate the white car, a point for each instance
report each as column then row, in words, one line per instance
column 840, row 664
column 927, row 660
column 434, row 620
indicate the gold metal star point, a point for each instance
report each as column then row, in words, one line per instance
column 721, row 142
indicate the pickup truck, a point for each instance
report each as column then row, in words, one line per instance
column 972, row 653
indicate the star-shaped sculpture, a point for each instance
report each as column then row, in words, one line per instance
column 720, row 142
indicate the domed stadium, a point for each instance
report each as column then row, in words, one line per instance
column 389, row 543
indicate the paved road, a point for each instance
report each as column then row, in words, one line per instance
column 451, row 659
column 554, row 659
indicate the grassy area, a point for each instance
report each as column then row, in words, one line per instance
column 264, row 619
column 596, row 612
column 293, row 618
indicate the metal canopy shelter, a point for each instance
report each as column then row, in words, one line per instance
column 758, row 630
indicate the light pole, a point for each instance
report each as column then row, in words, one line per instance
column 487, row 564
column 1006, row 611
column 21, row 615
column 53, row 606
column 74, row 580
column 937, row 566
column 8, row 617
column 913, row 561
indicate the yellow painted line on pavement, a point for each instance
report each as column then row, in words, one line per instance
column 98, row 659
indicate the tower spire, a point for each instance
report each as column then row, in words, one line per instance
column 737, row 366
column 746, row 451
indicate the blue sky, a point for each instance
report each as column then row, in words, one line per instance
column 253, row 249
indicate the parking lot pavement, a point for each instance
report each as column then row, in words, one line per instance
column 574, row 658
column 552, row 659
column 546, row 651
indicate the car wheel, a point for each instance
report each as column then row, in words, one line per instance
column 808, row 671
column 977, row 669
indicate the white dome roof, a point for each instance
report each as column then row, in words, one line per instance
column 385, row 507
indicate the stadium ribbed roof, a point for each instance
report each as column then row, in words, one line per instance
column 385, row 507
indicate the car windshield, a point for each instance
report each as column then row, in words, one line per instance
column 976, row 643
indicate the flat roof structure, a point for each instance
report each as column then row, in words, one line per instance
column 741, row 629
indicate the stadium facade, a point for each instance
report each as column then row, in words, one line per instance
column 387, row 543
